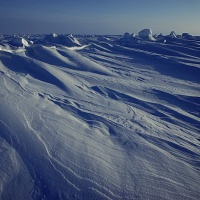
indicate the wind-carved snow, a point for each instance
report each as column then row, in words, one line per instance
column 106, row 120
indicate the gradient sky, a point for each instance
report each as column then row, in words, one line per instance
column 99, row 16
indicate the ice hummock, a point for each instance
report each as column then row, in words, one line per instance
column 173, row 34
column 146, row 34
column 67, row 40
column 129, row 36
column 19, row 41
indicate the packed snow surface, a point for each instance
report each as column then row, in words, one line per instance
column 94, row 117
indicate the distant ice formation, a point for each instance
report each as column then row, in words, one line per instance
column 186, row 35
column 129, row 36
column 19, row 42
column 173, row 34
column 68, row 40
column 146, row 34
column 160, row 38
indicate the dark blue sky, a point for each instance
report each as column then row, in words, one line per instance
column 99, row 17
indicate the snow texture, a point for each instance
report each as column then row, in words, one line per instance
column 90, row 117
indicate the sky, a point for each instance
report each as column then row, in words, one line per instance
column 99, row 16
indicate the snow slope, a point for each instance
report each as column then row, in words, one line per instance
column 104, row 119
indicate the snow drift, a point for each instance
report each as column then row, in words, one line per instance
column 107, row 119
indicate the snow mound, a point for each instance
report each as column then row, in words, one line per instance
column 146, row 34
column 129, row 39
column 19, row 42
column 160, row 38
column 186, row 35
column 128, row 35
column 68, row 40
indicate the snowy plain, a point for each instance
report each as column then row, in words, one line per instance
column 99, row 117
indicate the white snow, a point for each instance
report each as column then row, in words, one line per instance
column 160, row 38
column 19, row 42
column 146, row 34
column 133, row 35
column 129, row 36
column 67, row 40
column 98, row 118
